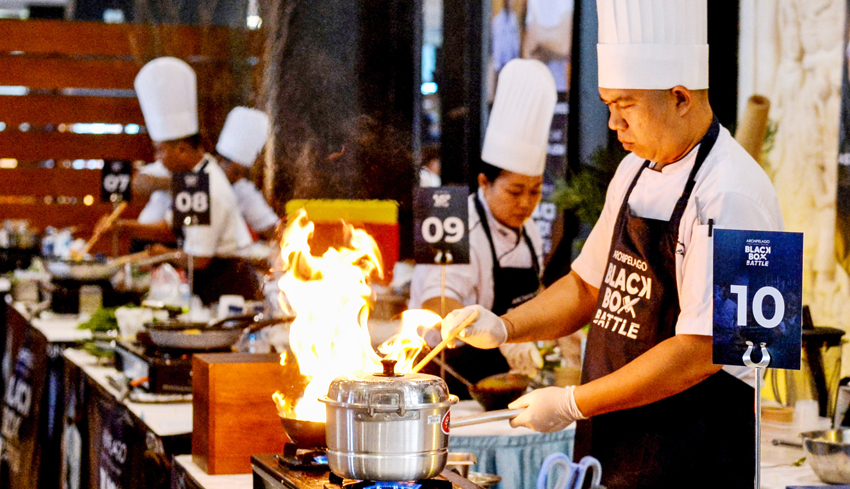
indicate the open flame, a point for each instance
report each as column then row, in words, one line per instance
column 329, row 296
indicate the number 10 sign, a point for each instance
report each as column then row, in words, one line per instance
column 758, row 286
column 440, row 217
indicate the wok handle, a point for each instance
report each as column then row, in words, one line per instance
column 104, row 226
column 487, row 417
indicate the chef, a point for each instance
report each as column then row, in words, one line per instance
column 656, row 411
column 242, row 138
column 167, row 92
column 505, row 246
column 244, row 134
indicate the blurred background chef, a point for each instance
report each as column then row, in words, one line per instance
column 505, row 247
column 242, row 138
column 167, row 92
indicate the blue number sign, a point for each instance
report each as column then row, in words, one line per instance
column 758, row 287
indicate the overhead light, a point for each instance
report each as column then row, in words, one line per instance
column 428, row 88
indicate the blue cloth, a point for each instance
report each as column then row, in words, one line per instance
column 516, row 459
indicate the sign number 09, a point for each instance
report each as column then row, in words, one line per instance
column 197, row 202
column 758, row 309
column 434, row 230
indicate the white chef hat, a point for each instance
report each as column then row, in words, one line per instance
column 167, row 92
column 243, row 136
column 652, row 44
column 518, row 131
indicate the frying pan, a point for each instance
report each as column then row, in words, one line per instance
column 91, row 269
column 180, row 335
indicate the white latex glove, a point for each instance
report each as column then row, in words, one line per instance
column 523, row 357
column 488, row 330
column 548, row 409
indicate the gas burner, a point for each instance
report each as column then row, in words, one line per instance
column 336, row 482
column 303, row 459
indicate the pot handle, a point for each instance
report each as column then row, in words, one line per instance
column 487, row 417
column 399, row 394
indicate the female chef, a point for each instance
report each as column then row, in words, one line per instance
column 505, row 247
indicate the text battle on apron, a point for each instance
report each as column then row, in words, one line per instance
column 511, row 287
column 223, row 275
column 702, row 437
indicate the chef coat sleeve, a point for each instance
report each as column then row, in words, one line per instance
column 256, row 211
column 732, row 210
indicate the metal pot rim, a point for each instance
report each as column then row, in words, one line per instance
column 452, row 400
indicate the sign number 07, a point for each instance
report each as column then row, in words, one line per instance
column 758, row 306
column 434, row 230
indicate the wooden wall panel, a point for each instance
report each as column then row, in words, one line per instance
column 57, row 109
column 99, row 39
column 57, row 73
column 33, row 146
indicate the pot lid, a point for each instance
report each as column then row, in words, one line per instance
column 822, row 335
column 388, row 389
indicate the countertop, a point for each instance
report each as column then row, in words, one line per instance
column 165, row 419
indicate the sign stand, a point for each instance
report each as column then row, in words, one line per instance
column 443, row 258
column 765, row 361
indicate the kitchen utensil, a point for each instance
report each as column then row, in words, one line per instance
column 459, row 462
column 445, row 366
column 103, row 226
column 572, row 475
column 497, row 391
column 304, row 434
column 486, row 417
column 437, row 349
column 828, row 452
column 387, row 426
column 91, row 269
column 202, row 336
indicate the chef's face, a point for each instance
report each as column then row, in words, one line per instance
column 512, row 197
column 176, row 156
column 648, row 122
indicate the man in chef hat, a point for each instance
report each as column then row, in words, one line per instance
column 505, row 246
column 242, row 138
column 167, row 91
column 658, row 412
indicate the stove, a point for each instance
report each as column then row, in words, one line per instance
column 167, row 371
column 307, row 469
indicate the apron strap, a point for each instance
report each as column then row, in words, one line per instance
column 482, row 217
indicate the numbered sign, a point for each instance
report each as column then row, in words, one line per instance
column 191, row 204
column 115, row 181
column 758, row 296
column 441, row 225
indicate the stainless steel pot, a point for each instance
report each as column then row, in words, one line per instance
column 388, row 427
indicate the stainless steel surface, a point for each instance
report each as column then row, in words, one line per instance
column 384, row 427
column 387, row 467
column 828, row 452
column 194, row 339
column 486, row 417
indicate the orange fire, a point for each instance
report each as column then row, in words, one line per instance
column 330, row 297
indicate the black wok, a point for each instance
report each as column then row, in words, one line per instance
column 181, row 335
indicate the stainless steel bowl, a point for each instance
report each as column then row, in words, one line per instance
column 828, row 452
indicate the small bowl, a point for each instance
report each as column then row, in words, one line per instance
column 497, row 391
column 828, row 452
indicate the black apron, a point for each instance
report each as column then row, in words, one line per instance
column 223, row 275
column 511, row 287
column 702, row 437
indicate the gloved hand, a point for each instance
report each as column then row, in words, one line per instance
column 548, row 409
column 487, row 331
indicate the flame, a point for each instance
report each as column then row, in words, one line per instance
column 329, row 296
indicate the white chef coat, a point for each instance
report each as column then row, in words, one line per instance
column 473, row 283
column 227, row 235
column 159, row 202
column 731, row 188
column 256, row 211
column 427, row 178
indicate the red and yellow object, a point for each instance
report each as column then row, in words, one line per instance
column 379, row 218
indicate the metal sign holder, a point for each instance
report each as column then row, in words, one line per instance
column 443, row 258
column 758, row 366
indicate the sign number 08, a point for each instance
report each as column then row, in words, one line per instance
column 758, row 309
column 434, row 230
column 197, row 202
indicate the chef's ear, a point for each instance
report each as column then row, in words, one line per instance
column 482, row 180
column 684, row 99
